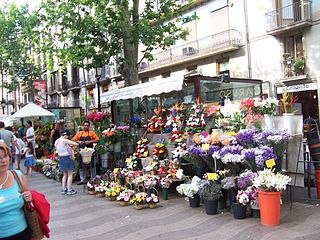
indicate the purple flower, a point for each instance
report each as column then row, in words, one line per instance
column 268, row 153
column 249, row 153
column 233, row 149
column 245, row 179
column 260, row 161
column 245, row 137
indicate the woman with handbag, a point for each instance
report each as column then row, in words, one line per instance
column 13, row 224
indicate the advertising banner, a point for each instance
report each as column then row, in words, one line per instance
column 40, row 90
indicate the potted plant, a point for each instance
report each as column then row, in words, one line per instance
column 254, row 201
column 287, row 101
column 90, row 187
column 210, row 192
column 191, row 191
column 101, row 189
column 113, row 192
column 298, row 66
column 269, row 187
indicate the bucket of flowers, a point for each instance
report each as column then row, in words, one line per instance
column 152, row 200
column 156, row 122
column 124, row 197
column 239, row 208
column 191, row 191
column 142, row 148
column 196, row 118
column 139, row 200
column 165, row 185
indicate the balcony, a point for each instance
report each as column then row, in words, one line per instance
column 226, row 41
column 288, row 18
column 293, row 68
column 74, row 85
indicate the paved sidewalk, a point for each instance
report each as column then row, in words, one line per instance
column 82, row 216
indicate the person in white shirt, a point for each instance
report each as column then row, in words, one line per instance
column 18, row 147
column 30, row 134
column 63, row 146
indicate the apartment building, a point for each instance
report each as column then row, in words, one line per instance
column 275, row 41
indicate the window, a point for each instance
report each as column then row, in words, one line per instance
column 222, row 66
column 166, row 74
column 293, row 46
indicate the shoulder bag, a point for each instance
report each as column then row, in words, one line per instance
column 31, row 214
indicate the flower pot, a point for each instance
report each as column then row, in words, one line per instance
column 211, row 207
column 152, row 205
column 91, row 192
column 164, row 193
column 113, row 198
column 314, row 148
column 239, row 211
column 138, row 207
column 104, row 156
column 255, row 213
column 123, row 203
column 195, row 201
column 100, row 195
column 269, row 203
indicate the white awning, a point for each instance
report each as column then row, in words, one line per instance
column 165, row 85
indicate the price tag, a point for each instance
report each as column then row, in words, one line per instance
column 145, row 154
column 128, row 160
column 212, row 176
column 205, row 147
column 270, row 163
column 115, row 170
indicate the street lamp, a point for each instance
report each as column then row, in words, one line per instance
column 98, row 76
column 3, row 105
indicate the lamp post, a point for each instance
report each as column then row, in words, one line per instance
column 98, row 76
column 3, row 105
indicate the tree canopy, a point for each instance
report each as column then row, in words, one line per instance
column 91, row 33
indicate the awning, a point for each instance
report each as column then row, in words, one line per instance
column 165, row 85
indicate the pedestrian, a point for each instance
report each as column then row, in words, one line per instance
column 85, row 138
column 13, row 224
column 19, row 145
column 29, row 161
column 22, row 131
column 8, row 138
column 30, row 135
column 64, row 149
column 54, row 135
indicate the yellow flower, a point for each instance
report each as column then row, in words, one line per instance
column 108, row 194
column 231, row 134
column 139, row 200
column 161, row 145
column 161, row 151
column 132, row 201
column 113, row 194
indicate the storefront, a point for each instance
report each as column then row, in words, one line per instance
column 169, row 91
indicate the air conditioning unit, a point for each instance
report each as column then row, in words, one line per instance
column 188, row 51
column 143, row 65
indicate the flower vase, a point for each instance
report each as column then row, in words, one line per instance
column 238, row 210
column 123, row 203
column 211, row 207
column 269, row 203
column 100, row 194
column 152, row 205
column 164, row 193
column 195, row 201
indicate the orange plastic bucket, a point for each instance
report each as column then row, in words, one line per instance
column 269, row 203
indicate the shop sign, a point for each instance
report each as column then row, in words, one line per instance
column 233, row 93
column 40, row 90
column 297, row 88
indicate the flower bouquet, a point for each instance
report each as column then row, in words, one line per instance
column 110, row 134
column 90, row 187
column 159, row 151
column 86, row 154
column 287, row 101
column 139, row 200
column 152, row 200
column 269, row 106
column 210, row 192
column 142, row 148
column 174, row 118
column 124, row 197
column 101, row 189
column 151, row 182
column 156, row 122
column 123, row 134
column 113, row 192
column 196, row 118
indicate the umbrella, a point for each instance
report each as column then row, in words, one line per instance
column 32, row 110
column 8, row 121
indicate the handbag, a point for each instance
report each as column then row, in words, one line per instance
column 30, row 214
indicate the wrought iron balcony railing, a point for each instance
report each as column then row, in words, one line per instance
column 289, row 15
column 221, row 42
